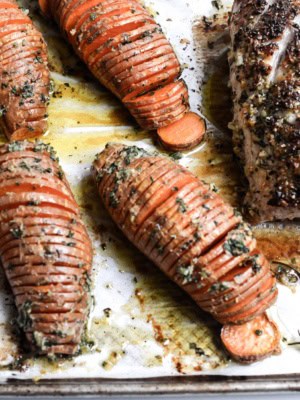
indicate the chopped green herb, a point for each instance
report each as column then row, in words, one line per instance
column 133, row 152
column 16, row 233
column 182, row 207
column 112, row 168
column 176, row 156
column 14, row 90
column 132, row 191
column 24, row 320
column 44, row 98
column 59, row 333
column 218, row 287
column 23, row 165
column 2, row 111
column 15, row 146
column 160, row 249
column 203, row 273
column 60, row 174
column 187, row 273
column 99, row 176
column 40, row 147
column 186, row 245
column 88, row 283
column 41, row 341
column 38, row 59
column 235, row 244
column 113, row 200
column 27, row 91
column 235, row 247
column 256, row 267
column 33, row 203
column 123, row 175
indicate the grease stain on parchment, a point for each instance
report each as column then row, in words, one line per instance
column 187, row 334
column 155, row 311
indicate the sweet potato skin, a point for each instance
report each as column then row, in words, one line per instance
column 196, row 239
column 44, row 249
column 25, row 82
column 202, row 244
column 127, row 52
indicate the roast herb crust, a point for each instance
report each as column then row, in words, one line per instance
column 264, row 62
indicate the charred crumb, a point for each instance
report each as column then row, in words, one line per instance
column 198, row 350
column 259, row 332
column 207, row 24
column 57, row 94
column 107, row 312
column 217, row 4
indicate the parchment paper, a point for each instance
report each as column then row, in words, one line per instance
column 141, row 325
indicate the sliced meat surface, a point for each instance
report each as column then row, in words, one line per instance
column 265, row 79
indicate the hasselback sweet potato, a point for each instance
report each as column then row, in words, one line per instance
column 188, row 231
column 24, row 74
column 44, row 248
column 128, row 53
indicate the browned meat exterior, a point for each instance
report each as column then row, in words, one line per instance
column 187, row 230
column 24, row 75
column 265, row 79
column 44, row 248
column 127, row 52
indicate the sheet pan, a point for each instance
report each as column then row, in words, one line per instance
column 141, row 326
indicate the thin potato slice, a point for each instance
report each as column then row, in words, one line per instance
column 253, row 340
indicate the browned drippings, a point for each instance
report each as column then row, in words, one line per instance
column 190, row 336
column 280, row 245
